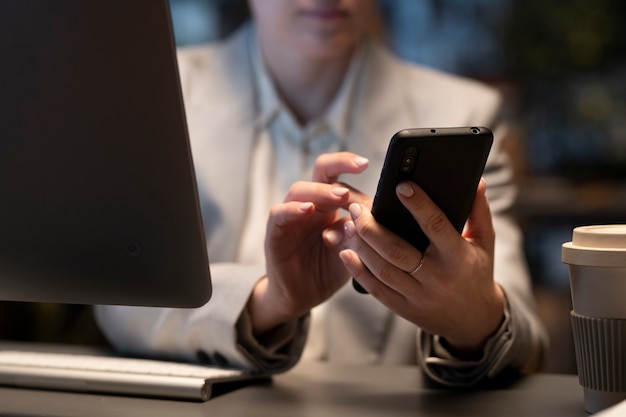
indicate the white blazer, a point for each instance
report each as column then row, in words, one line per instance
column 350, row 327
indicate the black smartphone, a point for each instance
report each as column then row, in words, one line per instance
column 446, row 162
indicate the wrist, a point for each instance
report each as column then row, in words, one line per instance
column 472, row 344
column 264, row 309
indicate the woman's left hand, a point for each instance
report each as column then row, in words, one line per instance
column 452, row 293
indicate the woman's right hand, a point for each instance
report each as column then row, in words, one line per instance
column 303, row 265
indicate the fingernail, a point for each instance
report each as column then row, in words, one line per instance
column 340, row 191
column 349, row 228
column 333, row 237
column 306, row 206
column 345, row 256
column 355, row 210
column 360, row 161
column 405, row 189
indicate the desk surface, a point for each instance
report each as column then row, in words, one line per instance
column 324, row 390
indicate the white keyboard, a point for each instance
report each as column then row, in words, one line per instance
column 110, row 374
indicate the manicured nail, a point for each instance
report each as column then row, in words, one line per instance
column 361, row 161
column 405, row 189
column 345, row 256
column 340, row 191
column 349, row 228
column 355, row 210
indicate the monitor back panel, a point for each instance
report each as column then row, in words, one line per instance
column 99, row 201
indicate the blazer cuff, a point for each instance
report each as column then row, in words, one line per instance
column 276, row 350
column 440, row 364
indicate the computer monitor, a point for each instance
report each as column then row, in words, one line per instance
column 98, row 200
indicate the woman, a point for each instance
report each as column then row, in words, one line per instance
column 303, row 93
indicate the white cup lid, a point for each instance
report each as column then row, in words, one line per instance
column 602, row 245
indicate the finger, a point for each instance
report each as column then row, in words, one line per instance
column 391, row 248
column 357, row 196
column 283, row 215
column 433, row 222
column 328, row 167
column 327, row 197
column 384, row 290
column 361, row 274
column 479, row 226
column 357, row 270
column 333, row 236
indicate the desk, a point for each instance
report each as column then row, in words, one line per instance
column 324, row 390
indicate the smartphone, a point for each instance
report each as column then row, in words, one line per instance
column 446, row 162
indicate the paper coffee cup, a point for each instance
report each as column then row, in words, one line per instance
column 597, row 269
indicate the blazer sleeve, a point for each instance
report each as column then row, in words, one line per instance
column 217, row 333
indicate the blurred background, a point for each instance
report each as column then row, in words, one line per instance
column 561, row 66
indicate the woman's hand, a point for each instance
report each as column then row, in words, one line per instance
column 453, row 293
column 303, row 269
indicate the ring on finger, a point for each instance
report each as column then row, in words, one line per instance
column 418, row 267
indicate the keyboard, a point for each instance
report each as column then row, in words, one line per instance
column 113, row 374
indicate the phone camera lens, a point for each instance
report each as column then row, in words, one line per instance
column 475, row 130
column 409, row 158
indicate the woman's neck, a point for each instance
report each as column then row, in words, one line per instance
column 307, row 85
